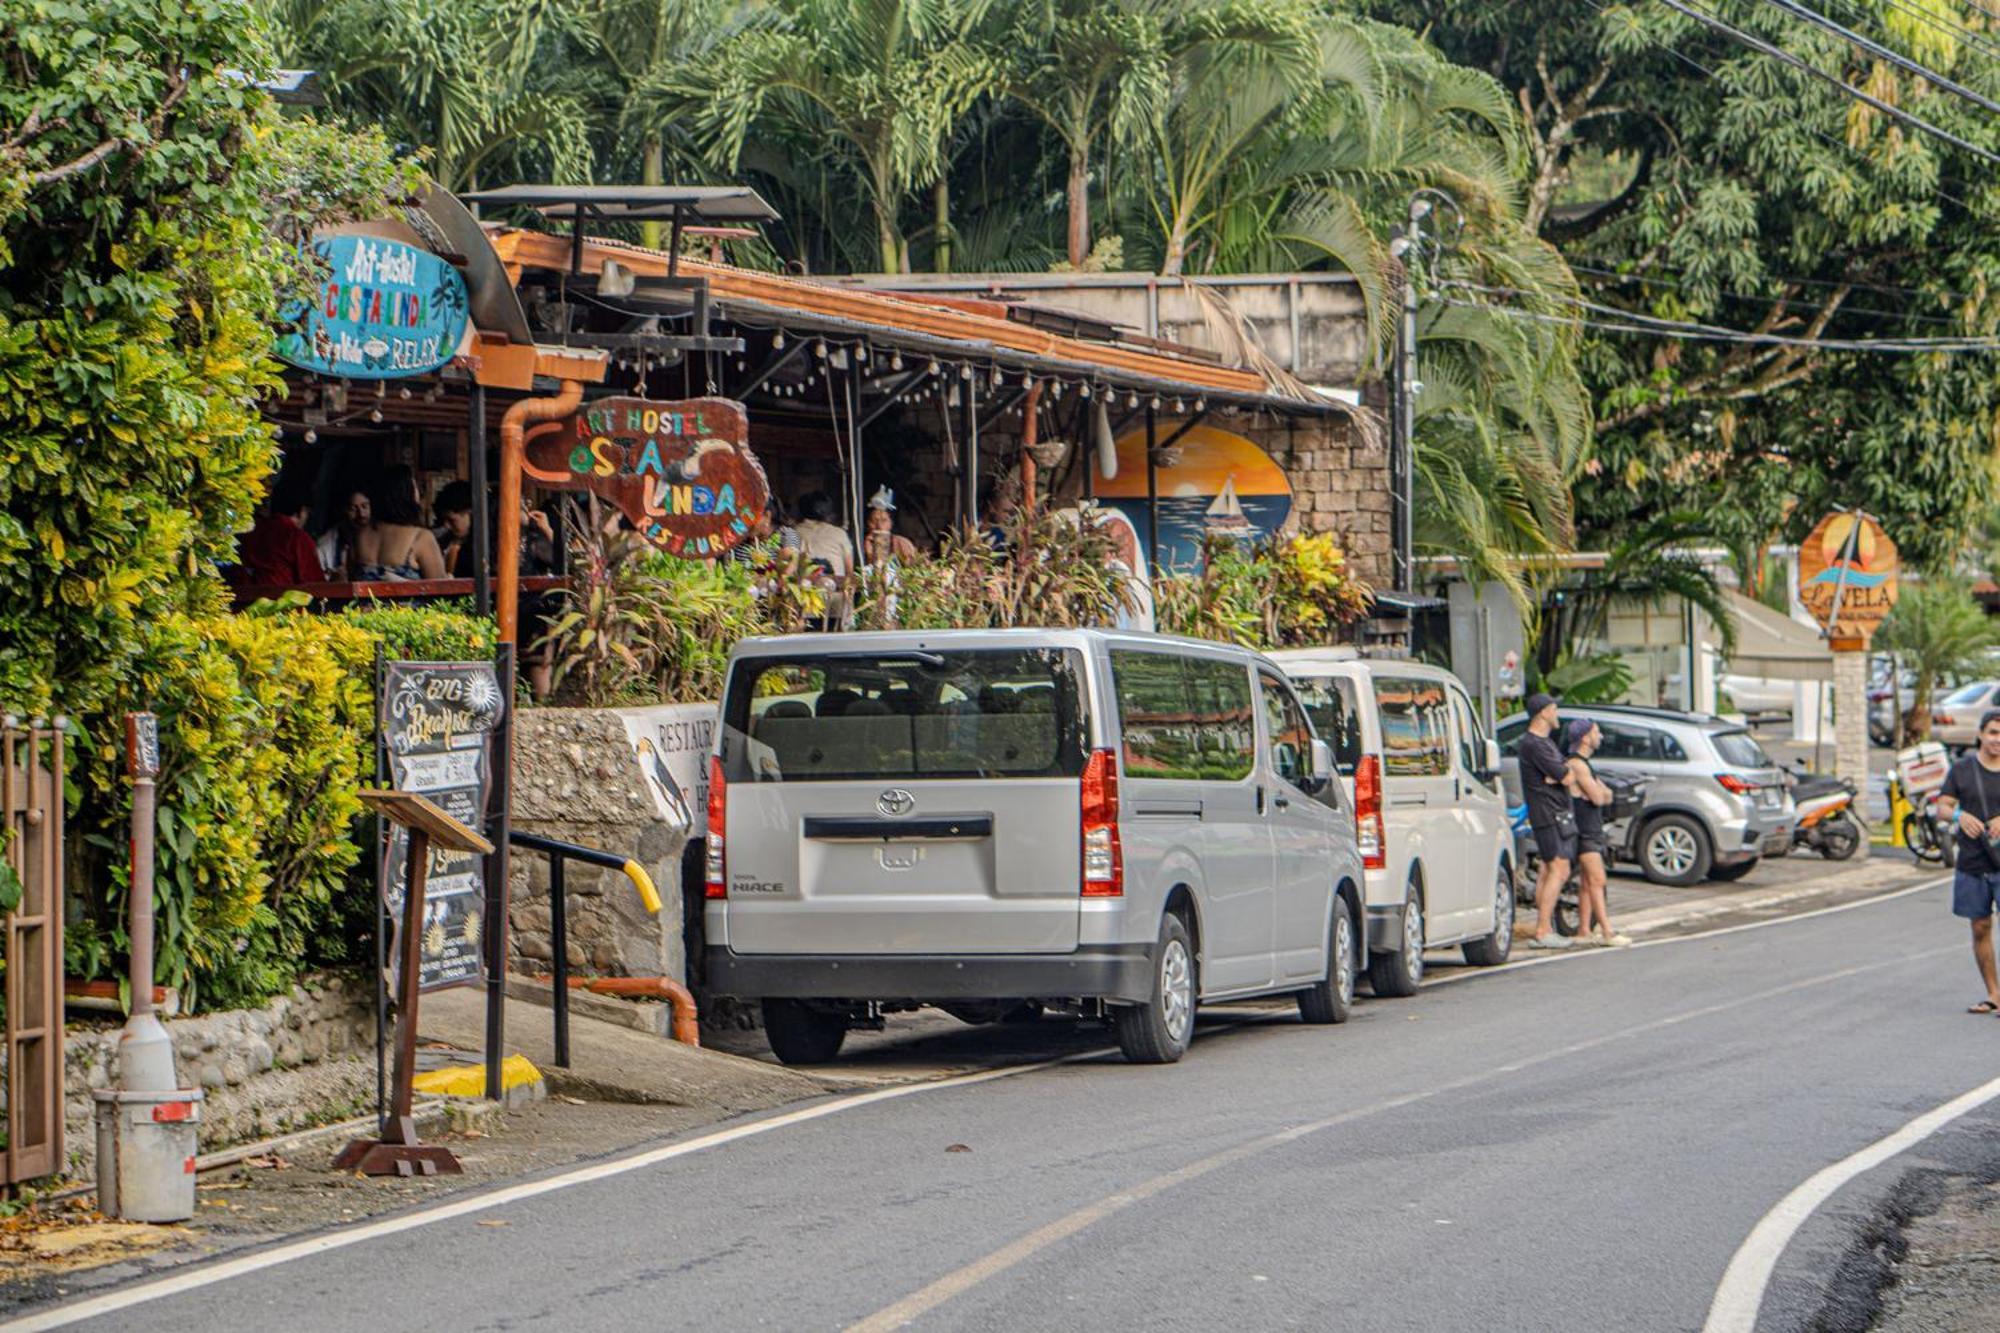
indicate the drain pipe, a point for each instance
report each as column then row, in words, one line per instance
column 687, row 1022
column 513, row 454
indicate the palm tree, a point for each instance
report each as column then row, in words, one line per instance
column 481, row 84
column 1940, row 634
column 1089, row 70
column 883, row 81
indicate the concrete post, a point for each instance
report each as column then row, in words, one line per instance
column 1850, row 708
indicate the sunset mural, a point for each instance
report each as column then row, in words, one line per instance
column 1220, row 483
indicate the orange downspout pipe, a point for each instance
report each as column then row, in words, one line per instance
column 1029, row 434
column 513, row 454
column 687, row 1022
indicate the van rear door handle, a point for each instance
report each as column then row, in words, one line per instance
column 1282, row 802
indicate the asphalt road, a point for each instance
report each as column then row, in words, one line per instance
column 1579, row 1144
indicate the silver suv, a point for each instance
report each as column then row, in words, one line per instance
column 1717, row 802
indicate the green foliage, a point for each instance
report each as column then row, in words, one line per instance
column 1291, row 592
column 1941, row 635
column 265, row 731
column 1055, row 571
column 147, row 204
column 1601, row 678
column 440, row 632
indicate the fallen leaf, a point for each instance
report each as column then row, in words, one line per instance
column 492, row 1222
column 958, row 1147
column 573, row 1101
column 270, row 1162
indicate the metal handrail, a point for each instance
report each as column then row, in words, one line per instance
column 560, row 853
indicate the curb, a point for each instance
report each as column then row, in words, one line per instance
column 1654, row 919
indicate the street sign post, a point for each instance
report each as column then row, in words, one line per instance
column 1848, row 570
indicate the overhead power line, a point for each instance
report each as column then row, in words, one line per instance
column 1780, row 54
column 1881, row 52
column 1787, row 302
column 1976, row 39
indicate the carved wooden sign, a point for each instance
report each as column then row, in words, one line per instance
column 681, row 471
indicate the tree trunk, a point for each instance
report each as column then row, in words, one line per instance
column 1079, row 207
column 652, row 171
column 941, row 224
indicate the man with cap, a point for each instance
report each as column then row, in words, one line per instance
column 1545, row 784
column 1971, row 792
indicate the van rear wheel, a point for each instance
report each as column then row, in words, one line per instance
column 1402, row 972
column 1158, row 1031
column 1332, row 1000
column 801, row 1034
column 1493, row 950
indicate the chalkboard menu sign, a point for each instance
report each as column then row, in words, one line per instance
column 438, row 720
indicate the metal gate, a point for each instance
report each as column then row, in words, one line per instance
column 31, row 800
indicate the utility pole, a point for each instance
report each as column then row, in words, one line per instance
column 1402, row 518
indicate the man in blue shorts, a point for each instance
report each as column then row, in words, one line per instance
column 1972, row 792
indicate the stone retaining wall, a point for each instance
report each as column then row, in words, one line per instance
column 303, row 1059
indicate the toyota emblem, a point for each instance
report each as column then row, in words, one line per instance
column 895, row 801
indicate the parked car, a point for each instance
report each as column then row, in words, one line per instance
column 1955, row 718
column 1717, row 803
column 1103, row 822
column 1435, row 836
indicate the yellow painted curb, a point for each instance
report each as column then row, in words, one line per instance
column 470, row 1080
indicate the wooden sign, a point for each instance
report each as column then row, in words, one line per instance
column 681, row 471
column 438, row 719
column 1847, row 575
column 384, row 310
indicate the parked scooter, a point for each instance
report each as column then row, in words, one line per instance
column 1913, row 803
column 1826, row 815
column 1627, row 795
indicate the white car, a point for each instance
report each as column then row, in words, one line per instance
column 1437, row 847
column 1955, row 718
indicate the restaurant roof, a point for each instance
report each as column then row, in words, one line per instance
column 701, row 203
column 915, row 323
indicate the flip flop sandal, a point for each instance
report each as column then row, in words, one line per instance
column 1984, row 1007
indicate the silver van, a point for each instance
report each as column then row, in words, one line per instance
column 1112, row 824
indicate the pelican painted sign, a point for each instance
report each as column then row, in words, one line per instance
column 384, row 310
column 681, row 471
column 1847, row 575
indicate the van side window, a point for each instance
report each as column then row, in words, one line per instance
column 1185, row 718
column 1416, row 731
column 1471, row 744
column 1330, row 702
column 1291, row 734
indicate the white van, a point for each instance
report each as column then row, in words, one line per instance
column 1092, row 821
column 1425, row 780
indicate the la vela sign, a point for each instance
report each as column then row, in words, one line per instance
column 681, row 471
column 1847, row 576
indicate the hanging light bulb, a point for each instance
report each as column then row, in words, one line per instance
column 998, row 378
column 932, row 368
column 1056, row 388
column 1027, row 381
column 1155, row 403
column 312, row 436
column 375, row 415
column 741, row 364
column 819, row 348
column 404, row 392
column 965, row 372
column 1131, row 398
column 1084, row 389
column 895, row 360
column 861, row 352
column 1201, row 404
column 1179, row 407
column 778, row 341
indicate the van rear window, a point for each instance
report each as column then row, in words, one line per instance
column 1330, row 702
column 974, row 713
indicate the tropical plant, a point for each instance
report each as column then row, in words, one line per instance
column 1287, row 592
column 1941, row 635
column 882, row 81
column 1653, row 563
column 1599, row 678
column 1057, row 569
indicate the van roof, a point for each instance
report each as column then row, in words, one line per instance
column 1298, row 660
column 905, row 640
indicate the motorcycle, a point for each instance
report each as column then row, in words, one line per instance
column 1926, row 831
column 1826, row 815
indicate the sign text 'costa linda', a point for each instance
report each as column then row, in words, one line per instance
column 384, row 310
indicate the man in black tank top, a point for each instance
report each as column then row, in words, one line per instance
column 1971, row 791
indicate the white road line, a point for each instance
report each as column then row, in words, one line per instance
column 193, row 1279
column 1741, row 1296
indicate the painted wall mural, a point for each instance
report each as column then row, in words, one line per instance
column 1212, row 482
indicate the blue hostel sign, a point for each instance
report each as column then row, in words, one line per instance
column 384, row 310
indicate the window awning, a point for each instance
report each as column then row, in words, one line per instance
column 1775, row 646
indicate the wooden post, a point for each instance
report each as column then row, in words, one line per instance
column 398, row 1152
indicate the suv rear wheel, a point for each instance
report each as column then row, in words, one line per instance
column 1158, row 1031
column 1675, row 850
column 1402, row 972
column 801, row 1034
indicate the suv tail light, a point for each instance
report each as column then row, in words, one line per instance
column 1103, row 855
column 1368, row 812
column 1740, row 786
column 716, row 875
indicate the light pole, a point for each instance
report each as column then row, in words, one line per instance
column 1408, row 246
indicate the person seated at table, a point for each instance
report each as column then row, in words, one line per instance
column 336, row 544
column 453, row 511
column 396, row 547
column 278, row 552
column 881, row 543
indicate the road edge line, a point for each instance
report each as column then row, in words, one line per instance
column 1739, row 1297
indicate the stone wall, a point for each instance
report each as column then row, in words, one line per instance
column 303, row 1059
column 576, row 778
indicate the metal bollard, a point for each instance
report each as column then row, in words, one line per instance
column 145, row 1153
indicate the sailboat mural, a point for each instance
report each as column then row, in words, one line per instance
column 1217, row 484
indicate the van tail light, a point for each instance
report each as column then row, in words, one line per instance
column 716, row 876
column 1731, row 783
column 1103, row 854
column 1368, row 832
